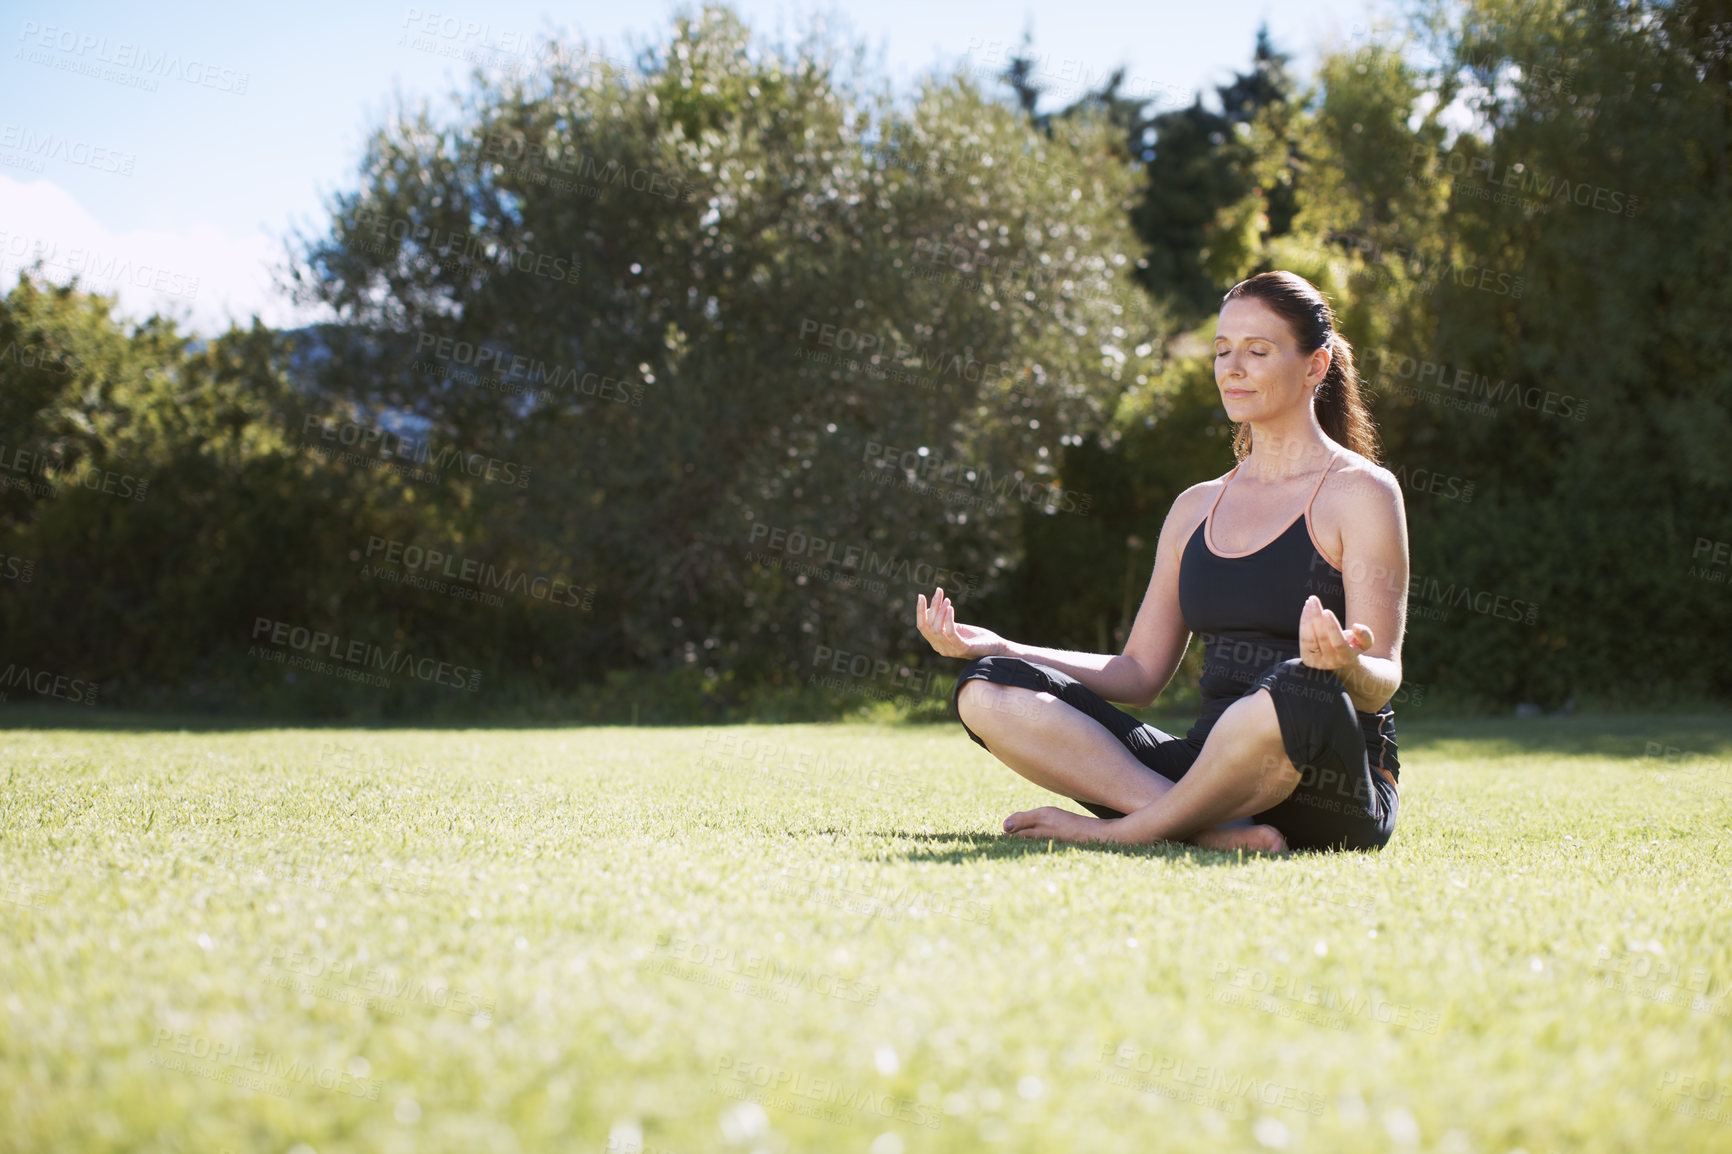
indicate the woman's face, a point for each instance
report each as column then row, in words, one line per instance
column 1258, row 365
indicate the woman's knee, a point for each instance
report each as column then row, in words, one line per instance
column 1256, row 714
column 969, row 690
column 978, row 672
column 977, row 698
column 1258, row 724
column 982, row 702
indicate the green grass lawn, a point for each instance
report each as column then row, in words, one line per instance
column 811, row 938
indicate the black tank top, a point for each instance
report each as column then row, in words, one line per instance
column 1245, row 608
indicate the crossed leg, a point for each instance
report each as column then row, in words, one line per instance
column 1242, row 769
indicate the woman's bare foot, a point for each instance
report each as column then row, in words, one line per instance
column 1049, row 821
column 1255, row 838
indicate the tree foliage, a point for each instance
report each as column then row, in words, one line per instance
column 738, row 350
column 1520, row 212
column 788, row 274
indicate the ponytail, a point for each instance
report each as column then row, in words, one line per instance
column 1340, row 407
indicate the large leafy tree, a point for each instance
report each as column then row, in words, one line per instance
column 789, row 269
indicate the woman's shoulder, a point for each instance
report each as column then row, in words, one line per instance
column 1188, row 510
column 1193, row 504
column 1361, row 499
column 1356, row 480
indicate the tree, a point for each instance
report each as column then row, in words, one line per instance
column 787, row 277
column 158, row 506
column 1198, row 164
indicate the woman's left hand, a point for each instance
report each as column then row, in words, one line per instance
column 1049, row 821
column 1322, row 644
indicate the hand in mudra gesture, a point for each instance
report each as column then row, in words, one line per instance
column 938, row 624
column 1322, row 644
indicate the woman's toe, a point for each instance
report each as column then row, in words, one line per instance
column 1267, row 838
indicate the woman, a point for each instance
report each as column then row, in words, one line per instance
column 1295, row 745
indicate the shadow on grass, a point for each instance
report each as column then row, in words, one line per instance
column 942, row 847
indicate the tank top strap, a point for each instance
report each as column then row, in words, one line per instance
column 1318, row 486
column 1210, row 515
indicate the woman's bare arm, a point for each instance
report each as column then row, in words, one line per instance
column 1157, row 639
column 1366, row 657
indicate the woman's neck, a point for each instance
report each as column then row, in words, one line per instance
column 1278, row 455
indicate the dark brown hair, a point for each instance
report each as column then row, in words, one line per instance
column 1340, row 408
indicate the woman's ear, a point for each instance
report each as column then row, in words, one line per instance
column 1328, row 356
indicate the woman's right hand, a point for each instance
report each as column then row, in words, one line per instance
column 938, row 624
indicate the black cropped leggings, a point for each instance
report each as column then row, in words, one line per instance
column 1340, row 801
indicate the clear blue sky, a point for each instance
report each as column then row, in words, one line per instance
column 197, row 180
